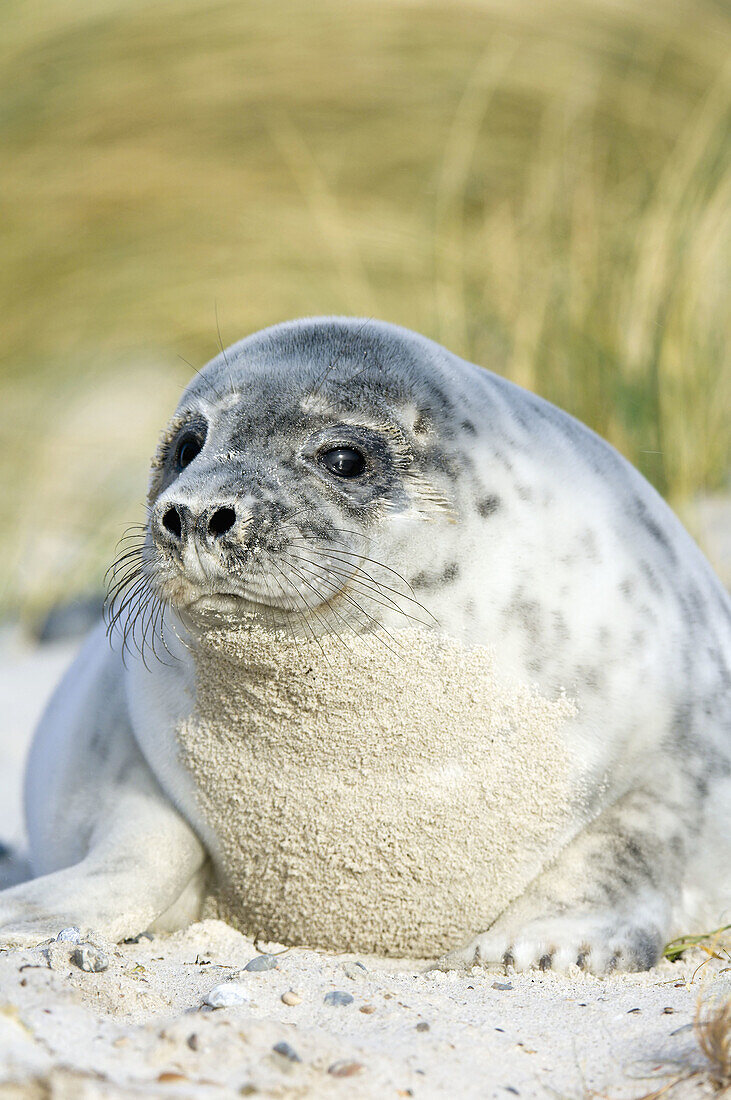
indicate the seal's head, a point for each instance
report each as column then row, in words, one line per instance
column 302, row 476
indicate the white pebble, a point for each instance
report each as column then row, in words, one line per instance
column 354, row 970
column 90, row 958
column 72, row 934
column 227, row 995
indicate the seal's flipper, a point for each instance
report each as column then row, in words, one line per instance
column 138, row 865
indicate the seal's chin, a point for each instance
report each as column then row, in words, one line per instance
column 234, row 598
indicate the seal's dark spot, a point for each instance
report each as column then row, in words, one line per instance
column 651, row 577
column 488, row 505
column 527, row 612
column 423, row 579
column 591, row 677
column 627, row 587
column 590, row 545
column 654, row 530
column 469, row 427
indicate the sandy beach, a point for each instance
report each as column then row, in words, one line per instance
column 142, row 1027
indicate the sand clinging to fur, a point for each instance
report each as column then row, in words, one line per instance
column 372, row 800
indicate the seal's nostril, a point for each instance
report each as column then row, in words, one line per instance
column 221, row 521
column 171, row 522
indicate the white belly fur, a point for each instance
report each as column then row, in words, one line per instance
column 368, row 801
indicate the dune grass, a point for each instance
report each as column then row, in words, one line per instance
column 542, row 187
column 711, row 1073
column 715, row 944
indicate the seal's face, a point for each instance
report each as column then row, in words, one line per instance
column 292, row 489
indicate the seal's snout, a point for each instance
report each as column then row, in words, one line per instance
column 178, row 524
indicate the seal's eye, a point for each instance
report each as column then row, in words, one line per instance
column 343, row 461
column 188, row 447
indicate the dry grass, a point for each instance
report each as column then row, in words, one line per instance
column 712, row 1030
column 544, row 188
column 715, row 944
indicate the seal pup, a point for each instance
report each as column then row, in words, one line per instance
column 322, row 485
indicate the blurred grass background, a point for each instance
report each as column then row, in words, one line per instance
column 544, row 187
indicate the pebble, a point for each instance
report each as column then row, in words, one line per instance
column 262, row 962
column 344, row 1068
column 291, row 998
column 338, row 997
column 227, row 995
column 286, row 1051
column 683, row 1029
column 367, row 1009
column 502, row 985
column 89, row 958
column 422, row 1026
column 72, row 934
column 354, row 970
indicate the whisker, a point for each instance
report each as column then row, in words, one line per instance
column 344, row 555
column 223, row 352
column 316, row 612
column 306, row 624
column 376, row 586
column 354, row 554
column 339, row 592
column 319, row 382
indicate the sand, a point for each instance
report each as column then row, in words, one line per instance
column 140, row 1028
column 373, row 799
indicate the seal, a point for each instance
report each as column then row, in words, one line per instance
column 407, row 660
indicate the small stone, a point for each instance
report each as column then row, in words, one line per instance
column 138, row 939
column 344, row 1068
column 72, row 934
column 227, row 995
column 192, row 1041
column 354, row 970
column 89, row 958
column 262, row 962
column 338, row 997
column 367, row 1009
column 502, row 985
column 668, row 1011
column 291, row 998
column 284, row 1050
column 422, row 1026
